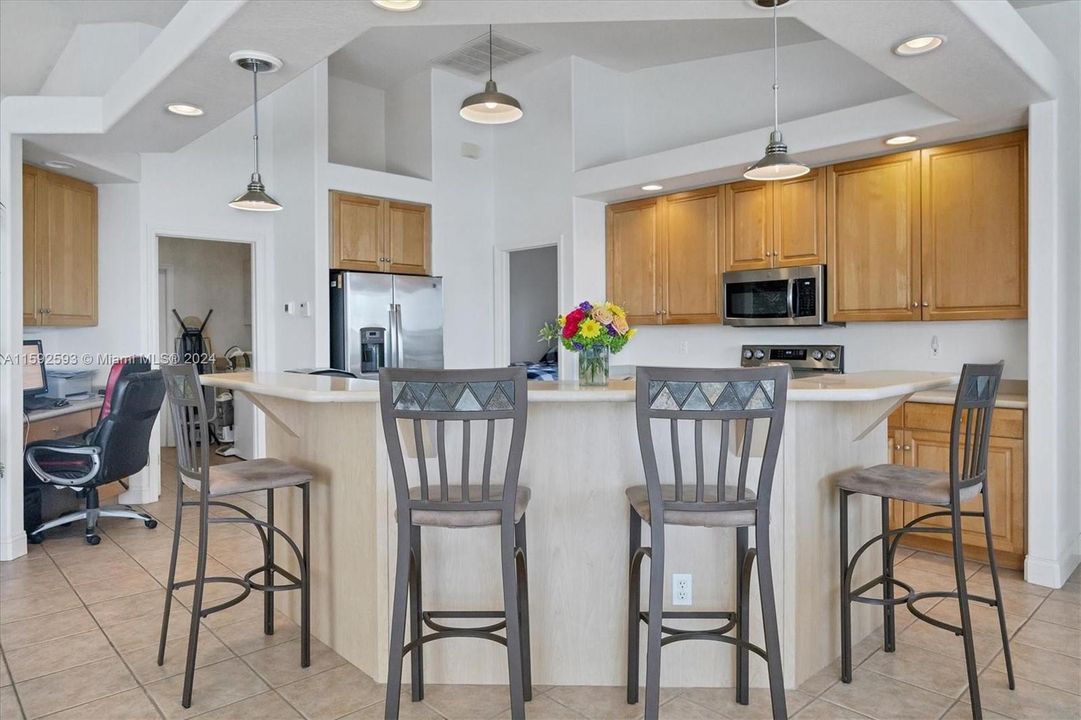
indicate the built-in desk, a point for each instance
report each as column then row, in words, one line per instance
column 57, row 422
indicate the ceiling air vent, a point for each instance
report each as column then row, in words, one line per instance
column 472, row 58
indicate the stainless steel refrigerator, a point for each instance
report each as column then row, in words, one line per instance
column 379, row 320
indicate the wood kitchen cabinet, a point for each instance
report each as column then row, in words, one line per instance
column 60, row 250
column 379, row 235
column 776, row 224
column 920, row 437
column 663, row 258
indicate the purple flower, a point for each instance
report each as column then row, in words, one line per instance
column 612, row 331
column 585, row 306
column 579, row 346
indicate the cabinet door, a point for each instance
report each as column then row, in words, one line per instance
column 748, row 225
column 31, row 302
column 873, row 239
column 690, row 257
column 409, row 238
column 357, row 241
column 67, row 272
column 799, row 225
column 975, row 247
column 632, row 260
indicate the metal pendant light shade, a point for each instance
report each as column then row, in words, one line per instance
column 776, row 164
column 255, row 199
column 491, row 107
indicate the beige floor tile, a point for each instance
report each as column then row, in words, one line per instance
column 1043, row 666
column 23, row 585
column 71, row 551
column 146, row 630
column 823, row 679
column 922, row 668
column 1067, row 593
column 943, row 642
column 984, row 618
column 280, row 665
column 1028, row 700
column 31, row 631
column 59, row 654
column 1045, row 635
column 123, row 609
column 963, row 711
column 940, row 564
column 542, row 707
column 44, row 603
column 132, row 583
column 1007, row 580
column 128, row 705
column 268, row 706
column 473, row 701
column 825, row 710
column 215, row 686
column 1060, row 613
column 723, row 701
column 408, row 710
column 333, row 693
column 60, row 691
column 94, row 572
column 144, row 661
column 9, row 704
column 250, row 607
column 247, row 636
column 884, row 698
column 5, row 676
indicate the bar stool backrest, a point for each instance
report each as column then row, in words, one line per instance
column 462, row 397
column 733, row 398
column 187, row 407
column 971, row 427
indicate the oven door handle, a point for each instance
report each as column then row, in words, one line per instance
column 792, row 298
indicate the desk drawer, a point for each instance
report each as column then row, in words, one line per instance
column 61, row 426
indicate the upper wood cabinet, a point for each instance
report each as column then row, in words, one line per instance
column 776, row 224
column 379, row 235
column 975, row 219
column 60, row 250
column 663, row 258
column 874, row 238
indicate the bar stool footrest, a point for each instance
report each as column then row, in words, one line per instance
column 295, row 583
column 428, row 616
column 220, row 606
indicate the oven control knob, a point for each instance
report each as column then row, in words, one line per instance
column 817, row 355
column 747, row 354
column 759, row 354
column 830, row 355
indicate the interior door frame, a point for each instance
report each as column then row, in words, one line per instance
column 501, row 289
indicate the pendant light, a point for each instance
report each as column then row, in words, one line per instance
column 490, row 107
column 256, row 198
column 776, row 165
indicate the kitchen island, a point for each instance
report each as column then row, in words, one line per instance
column 581, row 452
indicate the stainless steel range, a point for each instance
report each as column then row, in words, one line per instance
column 804, row 359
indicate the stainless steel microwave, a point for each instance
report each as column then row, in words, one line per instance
column 781, row 296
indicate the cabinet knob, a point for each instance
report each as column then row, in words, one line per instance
column 908, row 447
column 925, row 304
column 915, row 304
column 896, row 447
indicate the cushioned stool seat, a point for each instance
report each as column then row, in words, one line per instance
column 466, row 518
column 261, row 474
column 638, row 496
column 900, row 482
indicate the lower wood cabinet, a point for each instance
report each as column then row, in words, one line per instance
column 919, row 435
column 380, row 235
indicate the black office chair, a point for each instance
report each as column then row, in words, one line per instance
column 117, row 447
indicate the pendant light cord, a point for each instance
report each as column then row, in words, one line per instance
column 776, row 81
column 489, row 53
column 255, row 106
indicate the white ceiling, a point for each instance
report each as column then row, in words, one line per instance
column 34, row 32
column 384, row 56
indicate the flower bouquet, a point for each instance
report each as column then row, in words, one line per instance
column 595, row 331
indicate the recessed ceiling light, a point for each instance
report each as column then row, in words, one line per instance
column 920, row 44
column 185, row 109
column 652, row 186
column 397, row 5
column 901, row 140
column 59, row 164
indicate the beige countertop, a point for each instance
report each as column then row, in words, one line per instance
column 853, row 387
column 73, row 406
column 1011, row 394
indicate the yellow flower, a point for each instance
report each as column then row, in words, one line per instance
column 620, row 324
column 631, row 333
column 590, row 328
column 602, row 315
column 562, row 321
column 615, row 309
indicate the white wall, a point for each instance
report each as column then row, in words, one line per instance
column 533, row 300
column 357, row 124
column 599, row 105
column 409, row 127
column 95, row 56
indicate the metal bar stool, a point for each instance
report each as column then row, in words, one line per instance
column 190, row 422
column 458, row 397
column 967, row 479
column 733, row 398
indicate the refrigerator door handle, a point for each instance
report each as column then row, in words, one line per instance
column 398, row 345
column 391, row 344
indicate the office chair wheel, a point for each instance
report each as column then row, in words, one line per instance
column 150, row 523
column 35, row 538
column 92, row 539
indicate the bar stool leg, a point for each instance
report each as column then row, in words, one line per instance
column 268, row 574
column 170, row 586
column 769, row 620
column 889, row 624
column 415, row 613
column 998, row 591
column 197, row 604
column 523, row 606
column 510, row 612
column 966, row 622
column 397, row 621
column 634, row 607
column 656, row 618
column 743, row 619
column 846, row 602
column 305, row 580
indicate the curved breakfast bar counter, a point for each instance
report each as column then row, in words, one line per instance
column 581, row 452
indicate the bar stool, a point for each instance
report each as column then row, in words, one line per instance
column 967, row 479
column 458, row 397
column 190, row 424
column 734, row 398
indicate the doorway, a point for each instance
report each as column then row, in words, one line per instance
column 533, row 290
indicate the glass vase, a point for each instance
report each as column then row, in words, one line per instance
column 593, row 366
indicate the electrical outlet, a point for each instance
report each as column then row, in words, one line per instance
column 684, row 347
column 934, row 346
column 681, row 589
column 304, row 309
column 290, row 308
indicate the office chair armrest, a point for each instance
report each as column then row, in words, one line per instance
column 90, row 451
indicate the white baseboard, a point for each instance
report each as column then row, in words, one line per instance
column 1054, row 573
column 12, row 548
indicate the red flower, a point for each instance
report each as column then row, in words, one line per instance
column 574, row 317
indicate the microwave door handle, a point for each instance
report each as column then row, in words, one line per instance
column 791, row 298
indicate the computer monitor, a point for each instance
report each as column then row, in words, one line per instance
column 35, row 382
